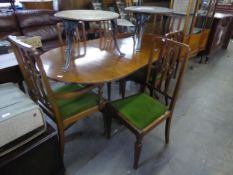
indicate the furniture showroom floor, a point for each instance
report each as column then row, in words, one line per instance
column 201, row 137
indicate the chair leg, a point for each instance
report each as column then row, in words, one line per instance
column 207, row 59
column 109, row 89
column 137, row 151
column 122, row 84
column 142, row 87
column 167, row 129
column 151, row 91
column 176, row 69
column 201, row 59
column 61, row 140
column 107, row 124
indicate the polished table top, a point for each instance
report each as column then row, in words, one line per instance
column 149, row 9
column 97, row 66
column 87, row 15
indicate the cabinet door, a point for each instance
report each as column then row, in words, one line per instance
column 210, row 14
column 220, row 34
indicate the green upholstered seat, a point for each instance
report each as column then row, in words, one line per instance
column 140, row 109
column 73, row 106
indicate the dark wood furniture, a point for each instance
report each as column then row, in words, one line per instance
column 228, row 9
column 37, row 157
column 225, row 8
column 140, row 113
column 196, row 23
column 65, row 105
column 9, row 70
column 220, row 34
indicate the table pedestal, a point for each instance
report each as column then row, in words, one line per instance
column 70, row 29
column 141, row 19
column 142, row 16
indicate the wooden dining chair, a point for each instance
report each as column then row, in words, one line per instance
column 65, row 105
column 141, row 113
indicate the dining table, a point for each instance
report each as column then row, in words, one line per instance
column 142, row 14
column 71, row 18
column 98, row 66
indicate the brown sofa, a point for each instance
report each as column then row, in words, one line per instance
column 31, row 23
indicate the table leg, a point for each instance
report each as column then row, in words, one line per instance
column 141, row 19
column 114, row 28
column 70, row 27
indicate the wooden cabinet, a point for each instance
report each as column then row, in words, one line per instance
column 219, row 36
column 227, row 8
column 197, row 21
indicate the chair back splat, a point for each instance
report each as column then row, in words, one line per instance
column 28, row 58
column 171, row 52
column 65, row 105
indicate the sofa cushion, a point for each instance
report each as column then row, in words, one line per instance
column 33, row 18
column 38, row 23
column 48, row 32
column 8, row 24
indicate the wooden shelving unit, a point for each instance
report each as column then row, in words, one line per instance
column 197, row 20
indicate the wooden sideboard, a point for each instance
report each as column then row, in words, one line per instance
column 220, row 34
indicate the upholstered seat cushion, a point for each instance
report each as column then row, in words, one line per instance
column 140, row 110
column 73, row 106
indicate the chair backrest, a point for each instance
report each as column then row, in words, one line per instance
column 176, row 35
column 166, row 23
column 32, row 70
column 170, row 52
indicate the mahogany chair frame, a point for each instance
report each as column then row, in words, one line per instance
column 170, row 53
column 40, row 91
